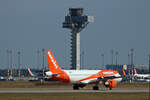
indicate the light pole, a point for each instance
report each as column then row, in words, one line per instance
column 38, row 59
column 8, row 66
column 117, row 57
column 11, row 69
column 132, row 62
column 19, row 69
column 102, row 55
column 43, row 51
column 149, row 69
column 112, row 55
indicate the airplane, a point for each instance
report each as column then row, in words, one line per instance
column 136, row 77
column 81, row 78
column 34, row 77
column 30, row 72
column 141, row 77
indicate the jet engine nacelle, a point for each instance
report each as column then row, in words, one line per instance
column 110, row 84
column 49, row 74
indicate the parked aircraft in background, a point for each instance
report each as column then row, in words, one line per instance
column 136, row 77
column 34, row 77
column 30, row 72
column 141, row 77
column 80, row 78
column 2, row 78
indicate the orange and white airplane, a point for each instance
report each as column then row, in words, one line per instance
column 80, row 78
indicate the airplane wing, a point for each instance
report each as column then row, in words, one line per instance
column 107, row 77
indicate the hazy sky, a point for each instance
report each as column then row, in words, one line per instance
column 29, row 25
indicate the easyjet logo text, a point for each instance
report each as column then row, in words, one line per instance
column 53, row 60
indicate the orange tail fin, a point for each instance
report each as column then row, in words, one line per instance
column 52, row 63
column 123, row 72
column 124, row 68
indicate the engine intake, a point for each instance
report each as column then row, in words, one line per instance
column 110, row 84
column 49, row 74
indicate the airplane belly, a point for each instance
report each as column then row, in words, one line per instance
column 75, row 79
column 118, row 80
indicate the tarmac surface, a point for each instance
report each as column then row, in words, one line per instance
column 65, row 90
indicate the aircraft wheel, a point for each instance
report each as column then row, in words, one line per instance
column 75, row 87
column 110, row 88
column 95, row 88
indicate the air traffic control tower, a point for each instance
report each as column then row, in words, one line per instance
column 76, row 21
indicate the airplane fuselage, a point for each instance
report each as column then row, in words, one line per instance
column 82, row 77
column 88, row 76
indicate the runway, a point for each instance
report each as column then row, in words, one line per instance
column 65, row 90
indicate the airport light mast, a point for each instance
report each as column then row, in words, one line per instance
column 19, row 65
column 43, row 63
column 149, row 62
column 102, row 55
column 11, row 65
column 8, row 73
column 132, row 63
column 76, row 21
column 117, row 53
column 112, row 55
column 38, row 59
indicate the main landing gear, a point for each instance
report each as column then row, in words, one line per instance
column 110, row 88
column 76, row 87
column 95, row 87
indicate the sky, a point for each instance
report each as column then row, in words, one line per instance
column 30, row 25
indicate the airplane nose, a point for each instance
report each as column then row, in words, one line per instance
column 118, row 78
column 117, row 75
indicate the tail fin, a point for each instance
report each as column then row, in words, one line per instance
column 124, row 68
column 52, row 63
column 30, row 71
column 135, row 72
column 123, row 72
